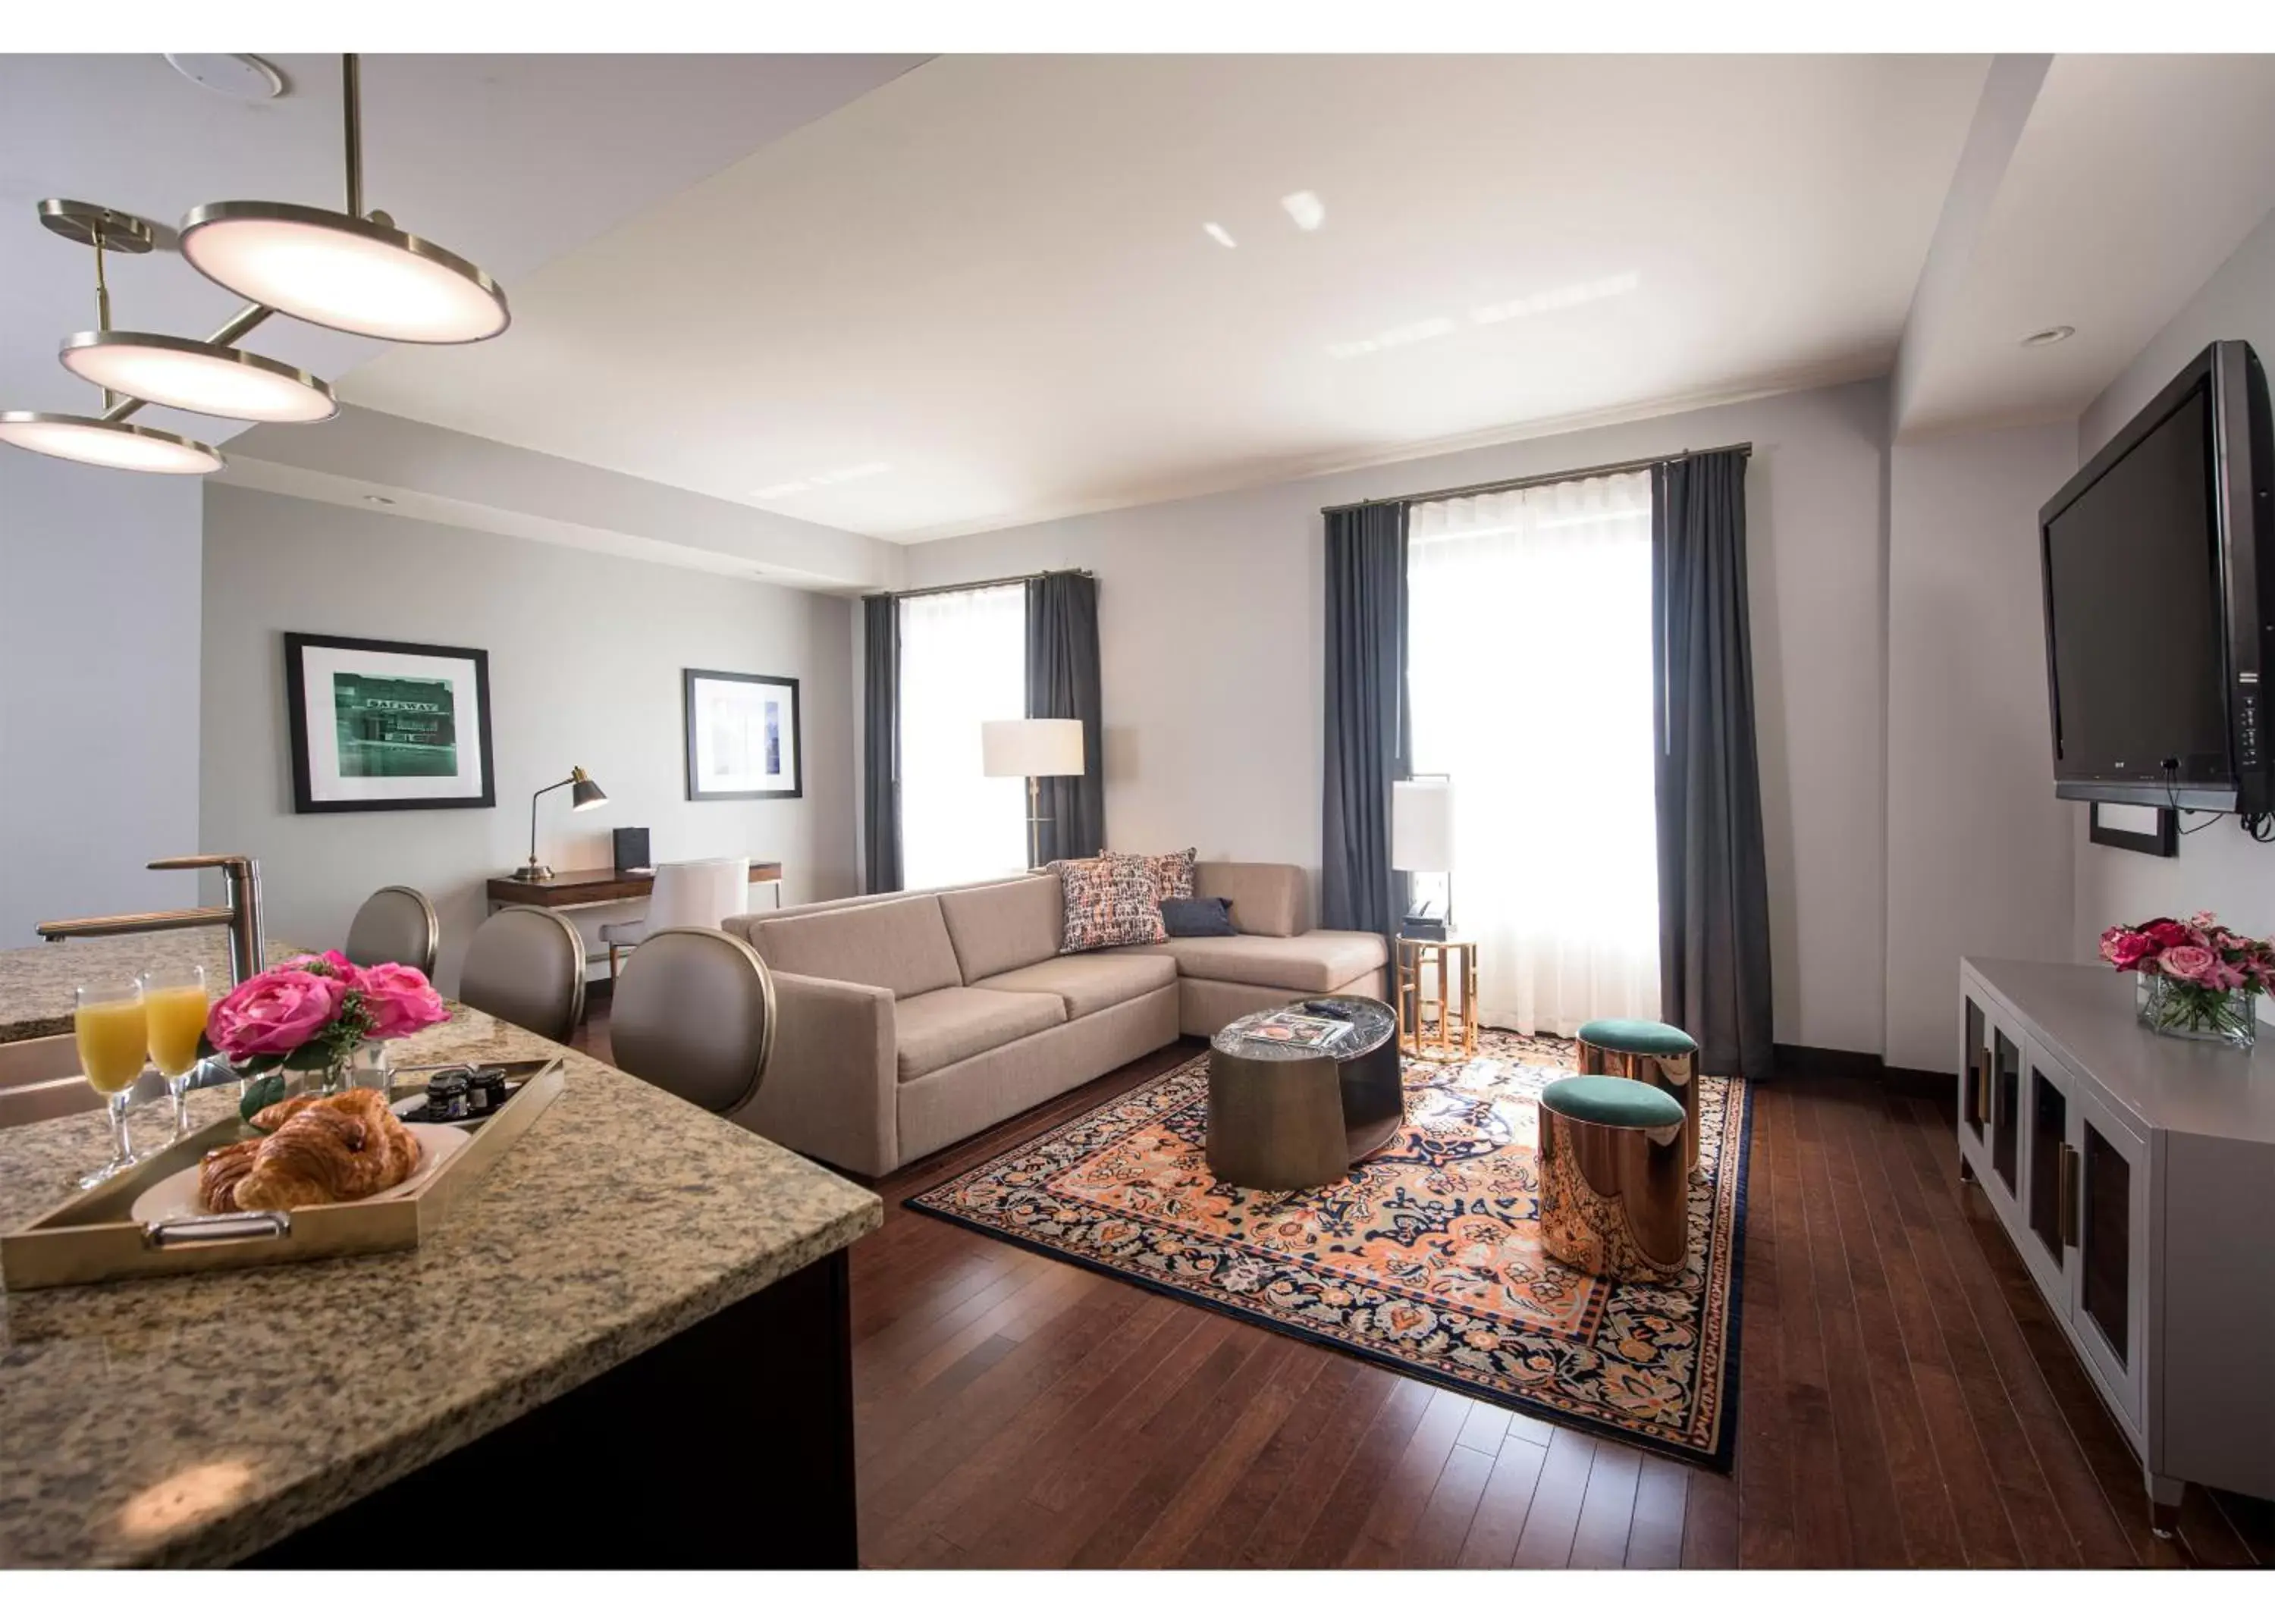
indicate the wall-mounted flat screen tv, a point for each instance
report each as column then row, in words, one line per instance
column 2158, row 572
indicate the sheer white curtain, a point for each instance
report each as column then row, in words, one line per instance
column 1530, row 668
column 964, row 661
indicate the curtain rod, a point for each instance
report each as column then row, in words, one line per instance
column 1632, row 465
column 1000, row 580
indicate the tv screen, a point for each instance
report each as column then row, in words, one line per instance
column 2135, row 592
column 2154, row 599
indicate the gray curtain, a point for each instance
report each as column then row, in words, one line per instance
column 880, row 753
column 1063, row 681
column 1366, row 703
column 1713, row 892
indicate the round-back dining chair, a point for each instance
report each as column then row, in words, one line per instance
column 396, row 926
column 526, row 965
column 694, row 1014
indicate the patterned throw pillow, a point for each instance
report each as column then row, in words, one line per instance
column 1173, row 874
column 1110, row 902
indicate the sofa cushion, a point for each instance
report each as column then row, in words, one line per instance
column 1197, row 915
column 940, row 1028
column 1000, row 927
column 1109, row 903
column 901, row 945
column 1172, row 871
column 1268, row 899
column 1316, row 961
column 1091, row 981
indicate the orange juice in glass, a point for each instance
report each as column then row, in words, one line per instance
column 174, row 1003
column 114, row 1041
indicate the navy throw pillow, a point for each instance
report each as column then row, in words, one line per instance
column 1197, row 915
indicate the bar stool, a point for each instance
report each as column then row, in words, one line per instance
column 1614, row 1192
column 1649, row 1052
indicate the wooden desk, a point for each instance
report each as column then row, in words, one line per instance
column 592, row 887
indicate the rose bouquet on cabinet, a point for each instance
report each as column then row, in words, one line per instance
column 2197, row 978
column 303, row 1026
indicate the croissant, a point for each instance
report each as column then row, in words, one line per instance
column 340, row 1147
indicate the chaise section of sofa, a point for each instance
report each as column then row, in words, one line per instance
column 909, row 1021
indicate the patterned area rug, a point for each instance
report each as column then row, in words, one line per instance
column 1427, row 1259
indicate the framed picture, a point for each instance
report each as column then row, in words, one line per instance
column 743, row 737
column 2154, row 831
column 386, row 727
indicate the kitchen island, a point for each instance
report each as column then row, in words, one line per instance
column 628, row 1346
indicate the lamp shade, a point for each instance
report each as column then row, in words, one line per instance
column 583, row 791
column 1422, row 826
column 1032, row 747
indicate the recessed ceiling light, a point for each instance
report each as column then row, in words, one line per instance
column 1305, row 210
column 1217, row 233
column 381, row 502
column 241, row 78
column 2046, row 335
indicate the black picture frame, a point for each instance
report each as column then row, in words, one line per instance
column 2165, row 842
column 689, row 677
column 311, row 792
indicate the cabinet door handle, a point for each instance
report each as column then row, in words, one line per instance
column 1983, row 1091
column 2065, row 1194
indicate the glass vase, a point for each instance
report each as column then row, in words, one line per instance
column 2173, row 1008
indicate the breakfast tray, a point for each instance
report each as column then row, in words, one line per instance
column 91, row 1238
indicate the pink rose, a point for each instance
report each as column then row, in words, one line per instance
column 332, row 962
column 2222, row 975
column 398, row 1000
column 2187, row 962
column 274, row 1013
column 2125, row 949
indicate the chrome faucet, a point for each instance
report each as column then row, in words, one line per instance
column 242, row 915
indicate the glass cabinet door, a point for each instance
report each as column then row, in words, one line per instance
column 1975, row 1073
column 2110, row 1175
column 2005, row 1106
column 2050, row 1198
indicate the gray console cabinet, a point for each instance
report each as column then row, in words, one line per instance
column 2135, row 1175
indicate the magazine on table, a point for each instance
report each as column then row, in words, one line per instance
column 1306, row 1031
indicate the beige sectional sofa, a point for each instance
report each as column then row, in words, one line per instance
column 909, row 1021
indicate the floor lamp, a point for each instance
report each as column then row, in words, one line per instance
column 1033, row 748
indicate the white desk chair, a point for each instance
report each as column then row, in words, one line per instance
column 701, row 893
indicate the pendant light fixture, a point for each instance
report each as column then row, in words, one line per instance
column 352, row 272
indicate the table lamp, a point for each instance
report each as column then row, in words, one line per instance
column 1032, row 748
column 1422, row 843
column 583, row 793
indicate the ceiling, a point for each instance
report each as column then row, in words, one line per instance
column 510, row 161
column 983, row 293
column 2130, row 181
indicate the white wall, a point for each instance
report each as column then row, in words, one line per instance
column 2218, row 868
column 586, row 653
column 1979, row 851
column 98, row 632
column 1210, row 621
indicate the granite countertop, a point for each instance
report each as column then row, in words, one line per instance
column 36, row 983
column 190, row 1421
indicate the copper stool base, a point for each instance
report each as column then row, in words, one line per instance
column 1613, row 1201
column 1673, row 1074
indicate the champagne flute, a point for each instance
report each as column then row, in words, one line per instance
column 174, row 1003
column 113, row 1041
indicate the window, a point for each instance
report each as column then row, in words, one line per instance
column 964, row 661
column 1529, row 674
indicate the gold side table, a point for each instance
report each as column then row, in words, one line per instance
column 1444, row 1027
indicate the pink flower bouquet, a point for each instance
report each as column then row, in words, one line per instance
column 2200, row 979
column 312, row 1015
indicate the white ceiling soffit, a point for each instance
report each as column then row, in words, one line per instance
column 507, row 160
column 989, row 292
column 2131, row 180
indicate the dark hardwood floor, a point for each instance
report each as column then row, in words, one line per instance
column 1905, row 1401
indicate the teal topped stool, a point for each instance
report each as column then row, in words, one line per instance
column 1614, row 1196
column 1648, row 1052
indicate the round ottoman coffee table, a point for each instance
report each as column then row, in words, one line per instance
column 1294, row 1108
